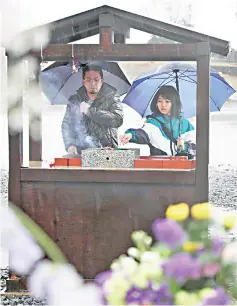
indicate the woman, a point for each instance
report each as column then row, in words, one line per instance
column 166, row 131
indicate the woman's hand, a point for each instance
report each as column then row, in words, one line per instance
column 124, row 139
column 72, row 149
column 180, row 143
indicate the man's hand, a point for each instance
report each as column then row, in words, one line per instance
column 72, row 149
column 124, row 139
column 180, row 143
column 84, row 107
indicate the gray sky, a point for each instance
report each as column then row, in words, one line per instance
column 212, row 17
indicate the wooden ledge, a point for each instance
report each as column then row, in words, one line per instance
column 92, row 175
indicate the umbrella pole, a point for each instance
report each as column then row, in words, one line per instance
column 176, row 78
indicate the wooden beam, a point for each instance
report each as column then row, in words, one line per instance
column 121, row 52
column 202, row 128
column 182, row 177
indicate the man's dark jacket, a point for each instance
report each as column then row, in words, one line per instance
column 99, row 126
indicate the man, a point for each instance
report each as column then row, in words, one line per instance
column 93, row 114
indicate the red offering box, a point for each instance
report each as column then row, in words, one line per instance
column 60, row 162
column 165, row 157
column 76, row 162
column 165, row 162
column 65, row 162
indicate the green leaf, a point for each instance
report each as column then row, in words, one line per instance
column 174, row 286
column 47, row 244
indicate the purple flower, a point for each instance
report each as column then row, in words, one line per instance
column 220, row 298
column 163, row 296
column 138, row 296
column 211, row 269
column 217, row 246
column 182, row 266
column 99, row 280
column 169, row 232
column 102, row 277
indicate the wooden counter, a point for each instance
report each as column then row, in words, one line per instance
column 91, row 213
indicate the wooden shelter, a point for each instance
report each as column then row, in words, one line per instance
column 91, row 213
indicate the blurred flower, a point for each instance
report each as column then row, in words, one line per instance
column 182, row 266
column 88, row 295
column 137, row 296
column 191, row 246
column 151, row 257
column 141, row 278
column 179, row 212
column 216, row 246
column 210, row 269
column 141, row 240
column 149, row 296
column 220, row 298
column 134, row 252
column 186, row 298
column 163, row 295
column 24, row 254
column 23, row 250
column 102, row 277
column 229, row 222
column 207, row 292
column 47, row 279
column 229, row 254
column 116, row 288
column 169, row 232
column 162, row 249
column 124, row 264
column 201, row 211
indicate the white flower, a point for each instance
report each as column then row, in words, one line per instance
column 151, row 257
column 124, row 264
column 24, row 254
column 62, row 285
column 229, row 254
column 88, row 295
column 37, row 281
column 128, row 265
column 134, row 252
column 23, row 251
column 117, row 284
column 47, row 279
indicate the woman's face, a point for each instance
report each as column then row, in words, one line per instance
column 164, row 105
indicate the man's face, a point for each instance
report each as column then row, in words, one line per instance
column 92, row 82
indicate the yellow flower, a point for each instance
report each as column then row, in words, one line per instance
column 191, row 246
column 179, row 212
column 229, row 221
column 201, row 211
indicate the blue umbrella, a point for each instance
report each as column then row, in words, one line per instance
column 183, row 77
column 58, row 82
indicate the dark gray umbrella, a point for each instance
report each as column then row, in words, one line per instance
column 58, row 82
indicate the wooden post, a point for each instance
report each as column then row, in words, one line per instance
column 119, row 38
column 106, row 37
column 203, row 116
column 14, row 189
column 36, row 146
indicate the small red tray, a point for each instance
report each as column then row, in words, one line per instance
column 172, row 163
column 65, row 162
column 162, row 157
